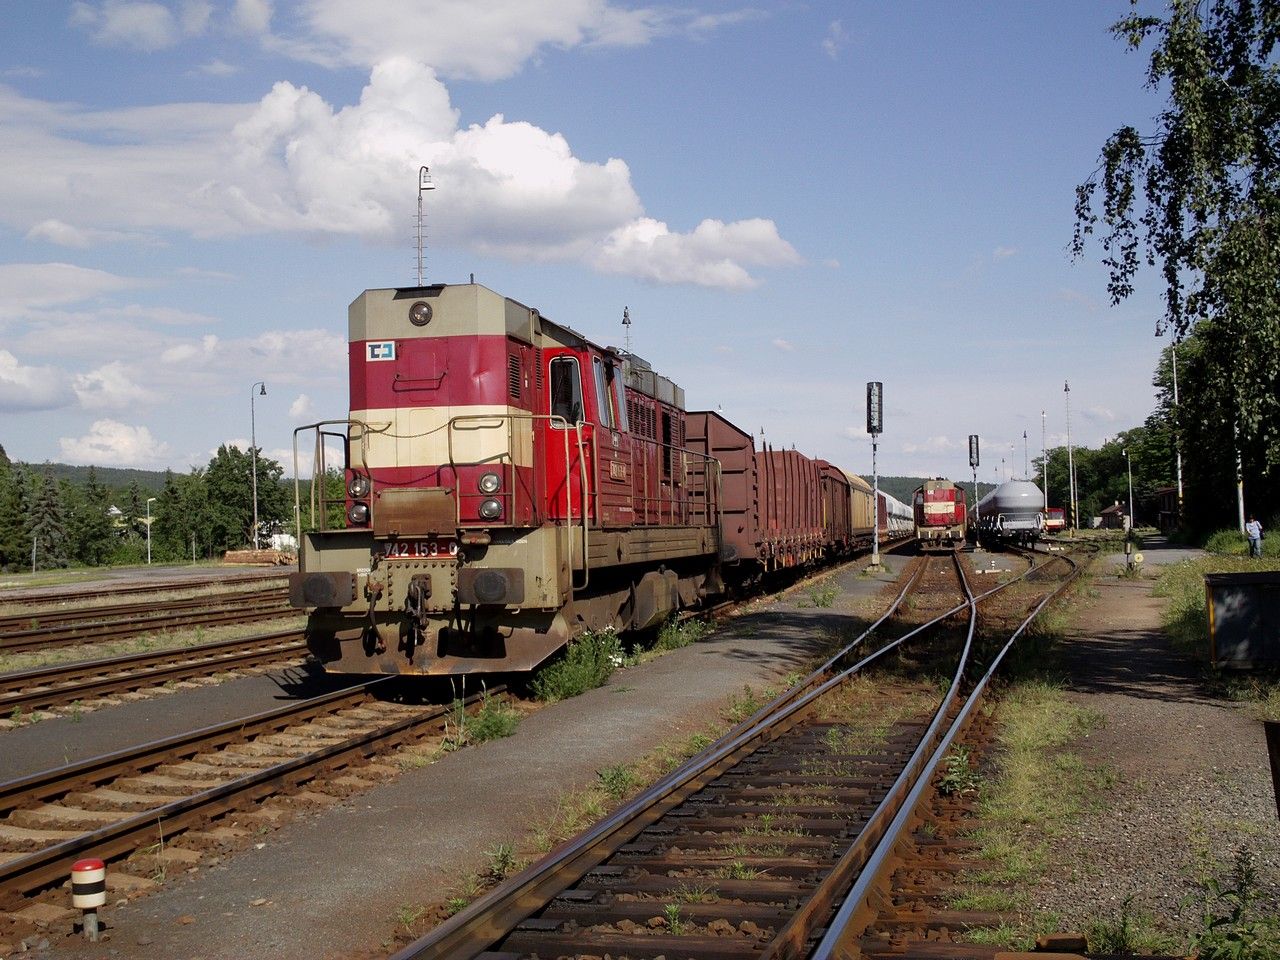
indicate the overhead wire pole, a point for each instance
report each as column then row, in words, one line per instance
column 1044, row 462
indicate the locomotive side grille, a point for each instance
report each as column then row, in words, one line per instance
column 537, row 362
column 513, row 376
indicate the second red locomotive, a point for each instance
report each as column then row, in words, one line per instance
column 940, row 514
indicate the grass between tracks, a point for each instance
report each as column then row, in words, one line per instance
column 1033, row 789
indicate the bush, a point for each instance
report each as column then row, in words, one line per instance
column 587, row 662
column 1232, row 543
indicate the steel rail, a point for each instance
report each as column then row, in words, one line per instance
column 89, row 633
column 474, row 929
column 124, row 589
column 855, row 912
column 33, row 689
column 48, row 784
column 795, row 934
column 90, row 615
column 51, row 865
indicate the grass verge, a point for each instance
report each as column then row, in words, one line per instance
column 1018, row 813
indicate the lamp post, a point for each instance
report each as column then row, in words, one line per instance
column 253, row 453
column 1044, row 463
column 1128, row 462
column 1071, row 465
column 150, row 501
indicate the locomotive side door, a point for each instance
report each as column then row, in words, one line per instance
column 566, row 460
column 615, row 481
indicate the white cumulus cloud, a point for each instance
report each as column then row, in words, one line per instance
column 301, row 407
column 835, row 39
column 782, row 344
column 112, row 386
column 26, row 388
column 295, row 163
column 114, row 444
column 141, row 24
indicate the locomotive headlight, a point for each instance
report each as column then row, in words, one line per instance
column 491, row 509
column 358, row 487
column 358, row 514
column 490, row 483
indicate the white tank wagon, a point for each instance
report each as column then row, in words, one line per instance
column 1012, row 511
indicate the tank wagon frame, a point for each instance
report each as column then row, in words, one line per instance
column 507, row 484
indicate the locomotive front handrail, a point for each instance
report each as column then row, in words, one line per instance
column 319, row 470
column 564, row 426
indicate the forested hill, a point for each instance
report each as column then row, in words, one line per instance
column 117, row 478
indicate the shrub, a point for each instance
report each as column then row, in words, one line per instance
column 587, row 662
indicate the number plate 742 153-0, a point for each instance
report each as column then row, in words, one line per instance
column 418, row 549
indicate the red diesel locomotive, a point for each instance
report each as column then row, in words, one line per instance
column 509, row 484
column 940, row 514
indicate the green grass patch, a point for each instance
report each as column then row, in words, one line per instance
column 586, row 663
column 1018, row 812
column 492, row 721
column 675, row 635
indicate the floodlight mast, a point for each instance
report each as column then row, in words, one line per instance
column 425, row 183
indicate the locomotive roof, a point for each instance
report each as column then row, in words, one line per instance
column 380, row 312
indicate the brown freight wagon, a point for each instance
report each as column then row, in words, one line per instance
column 837, row 508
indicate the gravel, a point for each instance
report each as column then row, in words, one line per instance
column 1193, row 784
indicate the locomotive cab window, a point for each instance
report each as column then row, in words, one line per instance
column 603, row 397
column 614, row 373
column 566, row 390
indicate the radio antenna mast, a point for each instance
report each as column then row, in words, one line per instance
column 626, row 328
column 424, row 184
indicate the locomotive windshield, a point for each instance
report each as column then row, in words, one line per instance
column 566, row 390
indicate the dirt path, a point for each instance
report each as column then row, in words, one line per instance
column 1193, row 781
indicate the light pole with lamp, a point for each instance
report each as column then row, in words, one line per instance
column 1071, row 466
column 253, row 452
column 1128, row 462
column 150, row 501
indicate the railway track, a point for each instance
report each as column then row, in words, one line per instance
column 112, row 590
column 771, row 843
column 39, row 689
column 172, row 792
column 60, row 628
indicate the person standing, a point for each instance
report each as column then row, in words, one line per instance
column 1253, row 530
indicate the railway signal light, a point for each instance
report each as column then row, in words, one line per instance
column 973, row 450
column 875, row 407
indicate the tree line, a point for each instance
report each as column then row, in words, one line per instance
column 47, row 523
column 1197, row 197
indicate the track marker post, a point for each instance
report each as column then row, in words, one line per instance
column 875, row 426
column 88, row 892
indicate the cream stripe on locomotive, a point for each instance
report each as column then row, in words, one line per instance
column 421, row 436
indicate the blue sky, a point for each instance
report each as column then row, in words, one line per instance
column 791, row 199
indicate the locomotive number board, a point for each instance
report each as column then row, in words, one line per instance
column 419, row 549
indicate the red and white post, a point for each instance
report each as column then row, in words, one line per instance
column 88, row 892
